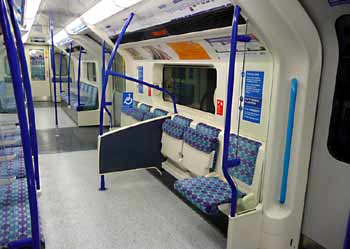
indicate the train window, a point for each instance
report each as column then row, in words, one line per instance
column 37, row 64
column 193, row 86
column 64, row 65
column 339, row 132
column 91, row 71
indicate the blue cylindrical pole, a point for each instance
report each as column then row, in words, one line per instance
column 347, row 236
column 78, row 83
column 53, row 66
column 103, row 94
column 61, row 58
column 69, row 78
column 22, row 118
column 28, row 92
column 230, row 87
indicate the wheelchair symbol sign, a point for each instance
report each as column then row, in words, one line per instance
column 128, row 99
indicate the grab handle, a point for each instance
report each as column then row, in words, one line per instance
column 287, row 150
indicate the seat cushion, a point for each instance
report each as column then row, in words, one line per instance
column 14, row 167
column 206, row 193
column 15, row 222
column 200, row 141
column 17, row 150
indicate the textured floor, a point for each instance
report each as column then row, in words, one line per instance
column 45, row 118
column 136, row 212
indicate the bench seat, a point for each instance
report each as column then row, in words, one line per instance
column 13, row 168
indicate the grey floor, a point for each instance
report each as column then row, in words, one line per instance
column 137, row 211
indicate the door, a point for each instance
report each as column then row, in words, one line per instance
column 118, row 89
column 38, row 65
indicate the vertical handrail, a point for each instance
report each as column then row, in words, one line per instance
column 288, row 144
column 22, row 118
column 230, row 86
column 53, row 67
column 78, row 82
column 69, row 78
column 103, row 69
column 61, row 58
column 28, row 92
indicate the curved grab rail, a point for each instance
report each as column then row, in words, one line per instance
column 288, row 145
column 28, row 92
column 22, row 117
column 53, row 67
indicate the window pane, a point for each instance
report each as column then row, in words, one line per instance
column 64, row 65
column 339, row 130
column 193, row 86
column 91, row 71
column 37, row 64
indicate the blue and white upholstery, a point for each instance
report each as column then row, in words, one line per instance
column 15, row 223
column 7, row 98
column 10, row 140
column 207, row 193
column 88, row 97
column 155, row 114
column 13, row 168
column 13, row 150
column 185, row 122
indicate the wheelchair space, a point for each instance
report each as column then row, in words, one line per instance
column 137, row 210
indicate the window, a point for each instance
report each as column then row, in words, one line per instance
column 339, row 129
column 193, row 86
column 64, row 65
column 37, row 64
column 91, row 71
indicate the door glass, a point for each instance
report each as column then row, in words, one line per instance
column 37, row 64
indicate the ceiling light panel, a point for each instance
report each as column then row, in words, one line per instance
column 101, row 11
column 76, row 26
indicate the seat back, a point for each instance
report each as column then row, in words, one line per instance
column 248, row 174
column 198, row 151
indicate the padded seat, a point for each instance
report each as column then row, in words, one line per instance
column 12, row 168
column 18, row 151
column 155, row 114
column 88, row 97
column 8, row 104
column 10, row 129
column 206, row 193
column 15, row 222
column 10, row 140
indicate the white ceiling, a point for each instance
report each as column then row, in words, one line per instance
column 62, row 11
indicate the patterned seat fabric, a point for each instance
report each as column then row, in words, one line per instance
column 88, row 97
column 12, row 168
column 145, row 108
column 18, row 151
column 173, row 129
column 200, row 141
column 4, row 138
column 15, row 223
column 155, row 114
column 247, row 151
column 206, row 193
column 137, row 114
column 182, row 121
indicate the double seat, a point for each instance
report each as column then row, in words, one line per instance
column 195, row 150
column 88, row 97
column 141, row 112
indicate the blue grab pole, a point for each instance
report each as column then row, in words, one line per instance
column 288, row 145
column 119, row 75
column 78, row 83
column 53, row 66
column 22, row 117
column 61, row 58
column 28, row 92
column 69, row 78
column 226, row 164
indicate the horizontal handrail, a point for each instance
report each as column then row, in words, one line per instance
column 288, row 145
column 146, row 84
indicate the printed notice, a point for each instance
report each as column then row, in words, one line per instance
column 140, row 77
column 253, row 94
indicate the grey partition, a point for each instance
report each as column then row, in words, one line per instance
column 133, row 147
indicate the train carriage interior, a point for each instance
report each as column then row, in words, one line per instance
column 167, row 124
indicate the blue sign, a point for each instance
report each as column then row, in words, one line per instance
column 127, row 100
column 253, row 94
column 140, row 77
column 338, row 2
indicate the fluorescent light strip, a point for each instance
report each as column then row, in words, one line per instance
column 30, row 11
column 76, row 26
